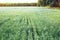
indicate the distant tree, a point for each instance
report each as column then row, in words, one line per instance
column 55, row 3
column 42, row 2
column 47, row 2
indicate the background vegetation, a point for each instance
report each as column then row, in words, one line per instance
column 53, row 3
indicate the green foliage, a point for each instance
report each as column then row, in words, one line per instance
column 29, row 24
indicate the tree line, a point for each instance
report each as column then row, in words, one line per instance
column 18, row 4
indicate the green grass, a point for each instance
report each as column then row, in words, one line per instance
column 32, row 23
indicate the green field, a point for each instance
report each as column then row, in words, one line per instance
column 29, row 23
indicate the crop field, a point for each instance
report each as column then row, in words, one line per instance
column 29, row 23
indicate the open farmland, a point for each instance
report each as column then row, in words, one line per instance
column 29, row 23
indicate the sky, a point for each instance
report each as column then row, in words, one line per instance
column 18, row 1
